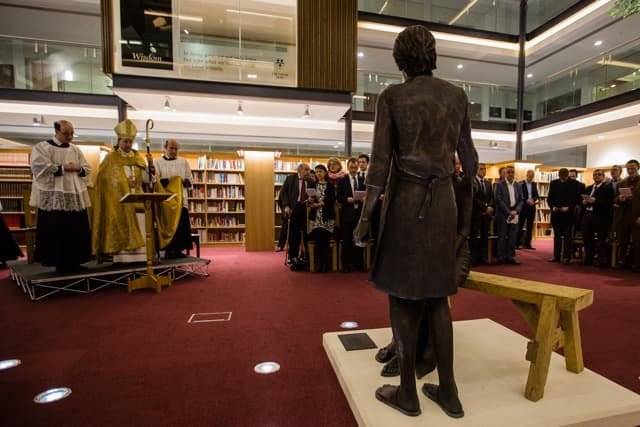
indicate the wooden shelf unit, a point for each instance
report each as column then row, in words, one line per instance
column 216, row 200
column 15, row 178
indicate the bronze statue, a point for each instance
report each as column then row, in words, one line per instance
column 420, row 125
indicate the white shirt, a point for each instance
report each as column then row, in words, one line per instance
column 512, row 193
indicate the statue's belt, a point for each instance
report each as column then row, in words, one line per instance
column 427, row 182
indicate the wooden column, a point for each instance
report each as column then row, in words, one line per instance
column 327, row 44
column 259, row 202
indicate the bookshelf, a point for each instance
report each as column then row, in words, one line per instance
column 216, row 201
column 15, row 178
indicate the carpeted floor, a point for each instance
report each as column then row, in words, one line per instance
column 132, row 359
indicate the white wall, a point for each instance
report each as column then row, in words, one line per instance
column 613, row 152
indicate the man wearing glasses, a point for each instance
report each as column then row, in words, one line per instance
column 597, row 201
column 59, row 193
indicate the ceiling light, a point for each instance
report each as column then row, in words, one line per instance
column 10, row 363
column 613, row 86
column 167, row 104
column 36, row 122
column 240, row 110
column 185, row 31
column 266, row 368
column 68, row 75
column 597, row 43
column 493, row 144
column 360, row 54
column 306, row 114
column 600, row 137
column 473, row 102
column 349, row 324
column 529, row 75
column 262, row 15
column 52, row 395
column 460, row 66
column 252, row 76
column 168, row 15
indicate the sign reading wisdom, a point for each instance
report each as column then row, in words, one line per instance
column 146, row 33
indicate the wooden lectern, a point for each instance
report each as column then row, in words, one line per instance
column 148, row 280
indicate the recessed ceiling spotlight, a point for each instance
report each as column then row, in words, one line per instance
column 473, row 102
column 600, row 137
column 167, row 103
column 252, row 76
column 360, row 54
column 35, row 122
column 240, row 110
column 460, row 66
column 306, row 114
column 597, row 43
column 529, row 75
column 185, row 31
column 613, row 85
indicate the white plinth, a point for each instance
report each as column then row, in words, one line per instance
column 491, row 373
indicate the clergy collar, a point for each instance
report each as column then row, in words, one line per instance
column 168, row 158
column 54, row 141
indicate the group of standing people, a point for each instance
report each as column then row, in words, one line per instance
column 312, row 215
column 66, row 236
column 606, row 211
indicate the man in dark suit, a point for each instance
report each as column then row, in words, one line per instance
column 293, row 195
column 564, row 194
column 597, row 203
column 509, row 202
column 349, row 216
column 528, row 213
column 482, row 213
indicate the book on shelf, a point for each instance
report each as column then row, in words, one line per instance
column 14, row 173
column 226, row 206
column 225, row 192
column 225, row 220
column 14, row 159
column 219, row 164
column 225, row 236
column 13, row 189
column 281, row 165
column 224, row 178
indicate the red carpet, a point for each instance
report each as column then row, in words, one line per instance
column 132, row 359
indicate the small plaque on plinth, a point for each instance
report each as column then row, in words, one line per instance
column 359, row 341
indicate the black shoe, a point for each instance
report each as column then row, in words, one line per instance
column 512, row 261
column 278, row 248
column 554, row 259
column 530, row 248
column 565, row 261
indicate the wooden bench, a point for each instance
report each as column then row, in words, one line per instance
column 551, row 311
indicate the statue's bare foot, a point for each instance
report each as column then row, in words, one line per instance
column 392, row 395
column 386, row 353
column 446, row 399
column 391, row 368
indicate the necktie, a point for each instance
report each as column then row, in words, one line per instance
column 354, row 184
column 303, row 191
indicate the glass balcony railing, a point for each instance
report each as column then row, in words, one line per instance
column 541, row 11
column 594, row 79
column 487, row 102
column 52, row 66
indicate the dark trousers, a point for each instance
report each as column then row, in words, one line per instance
column 182, row 238
column 480, row 239
column 322, row 253
column 593, row 227
column 506, row 240
column 298, row 226
column 526, row 221
column 562, row 232
column 636, row 247
column 623, row 229
column 351, row 255
column 282, row 240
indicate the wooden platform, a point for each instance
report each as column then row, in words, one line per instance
column 491, row 372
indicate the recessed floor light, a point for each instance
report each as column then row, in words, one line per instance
column 597, row 43
column 52, row 395
column 266, row 368
column 9, row 363
column 349, row 325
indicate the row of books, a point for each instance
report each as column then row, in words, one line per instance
column 224, row 178
column 226, row 221
column 281, row 165
column 227, row 192
column 542, row 204
column 15, row 173
column 197, row 221
column 195, row 206
column 226, row 206
column 206, row 163
column 13, row 189
column 14, row 159
column 12, row 205
column 279, row 178
column 542, row 216
column 221, row 236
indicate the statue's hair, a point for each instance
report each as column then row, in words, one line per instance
column 415, row 51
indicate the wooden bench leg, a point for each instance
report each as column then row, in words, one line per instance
column 570, row 324
column 312, row 259
column 539, row 352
